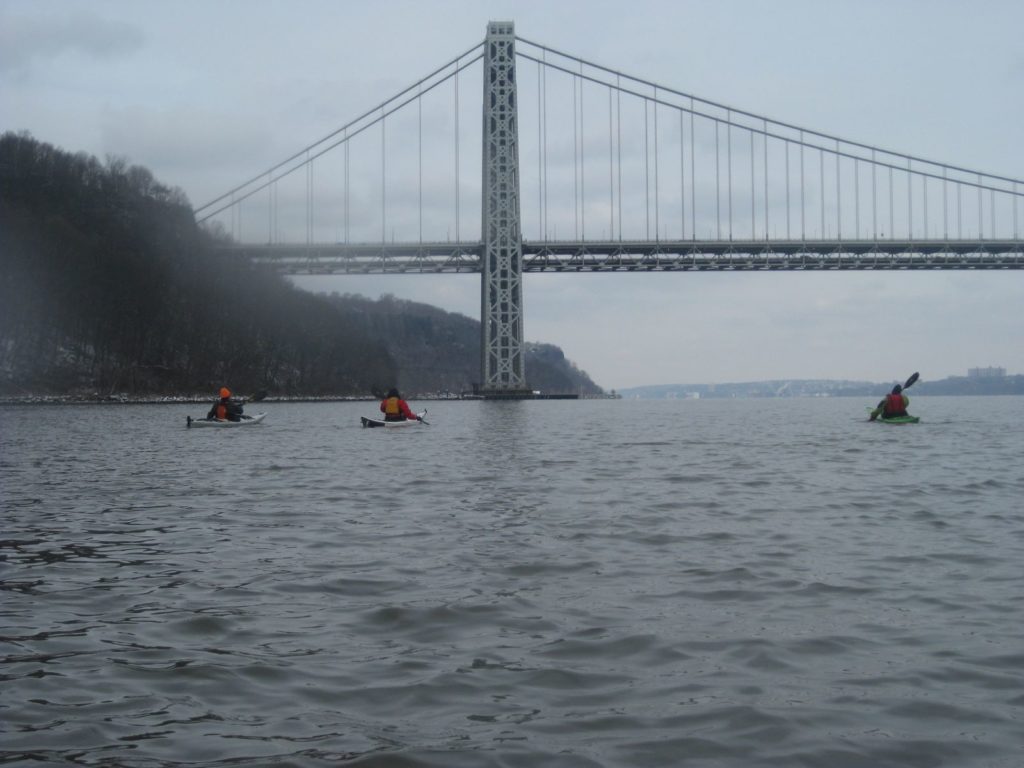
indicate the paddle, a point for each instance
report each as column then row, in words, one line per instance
column 909, row 383
column 256, row 397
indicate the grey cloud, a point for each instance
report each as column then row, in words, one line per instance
column 26, row 40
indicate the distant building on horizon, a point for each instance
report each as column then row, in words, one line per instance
column 986, row 373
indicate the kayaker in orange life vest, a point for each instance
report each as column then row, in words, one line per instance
column 395, row 408
column 893, row 404
column 226, row 409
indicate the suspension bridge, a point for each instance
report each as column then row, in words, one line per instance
column 578, row 167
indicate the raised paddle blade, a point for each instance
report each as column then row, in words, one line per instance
column 913, row 377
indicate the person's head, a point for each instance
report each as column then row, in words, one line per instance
column 224, row 392
column 897, row 389
column 393, row 392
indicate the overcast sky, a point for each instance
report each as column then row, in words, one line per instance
column 207, row 94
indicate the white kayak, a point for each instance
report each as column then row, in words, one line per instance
column 393, row 424
column 247, row 421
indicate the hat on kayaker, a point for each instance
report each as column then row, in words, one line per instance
column 393, row 392
column 225, row 392
column 897, row 389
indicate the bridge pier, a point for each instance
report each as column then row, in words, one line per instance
column 501, row 293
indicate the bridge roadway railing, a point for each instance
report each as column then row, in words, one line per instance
column 642, row 256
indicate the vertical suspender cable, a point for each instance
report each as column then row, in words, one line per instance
column 383, row 180
column 611, row 171
column 753, row 211
column 924, row 189
column 1016, row 232
column 981, row 207
column 892, row 206
column 583, row 163
column 657, row 206
column 718, row 182
column 945, row 204
column 419, row 108
column 839, row 198
column 308, row 201
column 728, row 158
column 540, row 155
column 270, row 209
column 765, row 126
column 682, row 179
column 788, row 216
column 874, row 197
column 346, row 192
column 693, row 178
column 803, row 186
column 856, row 198
column 992, row 212
column 910, row 203
column 618, row 145
column 575, row 164
column 545, row 89
column 821, row 188
column 647, row 176
column 458, row 221
column 959, row 211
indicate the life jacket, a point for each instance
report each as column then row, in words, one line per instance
column 894, row 406
column 221, row 411
column 392, row 410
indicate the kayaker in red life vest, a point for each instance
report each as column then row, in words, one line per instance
column 395, row 408
column 226, row 409
column 893, row 404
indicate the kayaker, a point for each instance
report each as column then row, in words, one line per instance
column 893, row 404
column 226, row 409
column 395, row 408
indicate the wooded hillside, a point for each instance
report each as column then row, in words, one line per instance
column 107, row 285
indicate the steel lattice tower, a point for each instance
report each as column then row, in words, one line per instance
column 501, row 294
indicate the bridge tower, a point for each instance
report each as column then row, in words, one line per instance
column 501, row 294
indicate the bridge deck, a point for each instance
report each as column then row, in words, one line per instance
column 643, row 256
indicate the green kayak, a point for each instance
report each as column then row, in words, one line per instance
column 898, row 420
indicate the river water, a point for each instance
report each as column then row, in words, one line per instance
column 593, row 583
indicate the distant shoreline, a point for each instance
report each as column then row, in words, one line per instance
column 957, row 386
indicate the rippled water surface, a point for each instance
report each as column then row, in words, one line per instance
column 593, row 583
